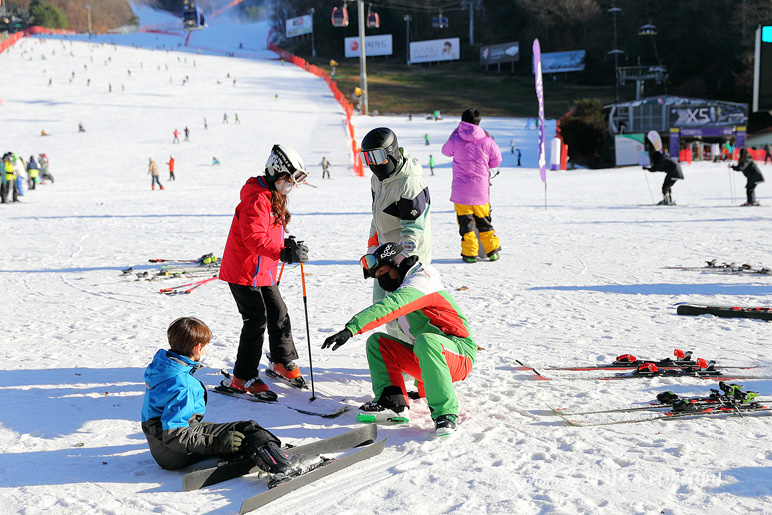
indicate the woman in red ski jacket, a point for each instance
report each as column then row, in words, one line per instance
column 255, row 245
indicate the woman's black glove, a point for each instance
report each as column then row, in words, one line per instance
column 293, row 252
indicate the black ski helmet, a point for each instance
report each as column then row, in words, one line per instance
column 383, row 255
column 383, row 138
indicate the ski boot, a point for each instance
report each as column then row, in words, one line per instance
column 445, row 425
column 281, row 463
column 386, row 408
column 287, row 372
column 469, row 259
column 494, row 254
column 254, row 385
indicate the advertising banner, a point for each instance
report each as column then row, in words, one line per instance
column 435, row 50
column 504, row 53
column 708, row 115
column 539, row 84
column 557, row 62
column 628, row 149
column 374, row 45
column 299, row 26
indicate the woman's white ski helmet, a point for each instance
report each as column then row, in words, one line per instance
column 284, row 159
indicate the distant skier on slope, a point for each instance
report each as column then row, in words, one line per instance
column 152, row 169
column 660, row 163
column 175, row 403
column 171, row 168
column 749, row 169
column 325, row 167
column 438, row 349
column 45, row 171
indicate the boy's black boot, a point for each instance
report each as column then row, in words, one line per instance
column 282, row 464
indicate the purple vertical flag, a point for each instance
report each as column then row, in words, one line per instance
column 540, row 98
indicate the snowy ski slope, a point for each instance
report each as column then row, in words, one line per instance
column 578, row 282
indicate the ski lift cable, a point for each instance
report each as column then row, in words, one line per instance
column 407, row 4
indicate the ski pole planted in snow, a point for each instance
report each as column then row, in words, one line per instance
column 308, row 330
column 646, row 175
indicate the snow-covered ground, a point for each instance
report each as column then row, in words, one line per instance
column 580, row 281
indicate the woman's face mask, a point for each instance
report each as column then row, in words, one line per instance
column 284, row 186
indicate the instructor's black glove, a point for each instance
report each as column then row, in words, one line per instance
column 229, row 442
column 337, row 339
column 293, row 252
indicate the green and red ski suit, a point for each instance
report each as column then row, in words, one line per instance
column 439, row 350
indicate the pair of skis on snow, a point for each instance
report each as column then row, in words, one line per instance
column 291, row 399
column 760, row 313
column 731, row 399
column 628, row 366
column 364, row 436
column 713, row 266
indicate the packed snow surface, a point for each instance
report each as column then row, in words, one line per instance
column 581, row 280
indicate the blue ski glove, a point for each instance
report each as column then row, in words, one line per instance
column 337, row 339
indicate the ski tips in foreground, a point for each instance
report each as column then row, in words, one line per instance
column 328, row 468
column 761, row 312
column 364, row 435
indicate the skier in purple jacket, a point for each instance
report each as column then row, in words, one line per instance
column 474, row 153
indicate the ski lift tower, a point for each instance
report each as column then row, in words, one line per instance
column 640, row 74
column 615, row 11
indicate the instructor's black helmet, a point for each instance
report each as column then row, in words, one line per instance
column 380, row 151
column 386, row 254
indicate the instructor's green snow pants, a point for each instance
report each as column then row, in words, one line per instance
column 435, row 361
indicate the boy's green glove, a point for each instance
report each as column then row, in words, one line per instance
column 229, row 442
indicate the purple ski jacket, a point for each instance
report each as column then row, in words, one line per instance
column 474, row 153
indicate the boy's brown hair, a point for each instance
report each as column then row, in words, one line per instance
column 187, row 332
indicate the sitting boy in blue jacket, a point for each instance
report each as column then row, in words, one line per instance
column 175, row 403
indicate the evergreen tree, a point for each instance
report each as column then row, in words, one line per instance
column 45, row 14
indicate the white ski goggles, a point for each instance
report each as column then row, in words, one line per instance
column 298, row 177
column 376, row 156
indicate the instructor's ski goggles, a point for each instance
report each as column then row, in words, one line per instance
column 376, row 156
column 369, row 265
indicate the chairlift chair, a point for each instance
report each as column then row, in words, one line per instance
column 440, row 22
column 192, row 17
column 373, row 20
column 340, row 16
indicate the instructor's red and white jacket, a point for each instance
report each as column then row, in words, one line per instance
column 421, row 305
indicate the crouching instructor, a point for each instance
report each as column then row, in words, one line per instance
column 438, row 349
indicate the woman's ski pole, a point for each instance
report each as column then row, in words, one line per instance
column 278, row 280
column 308, row 330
